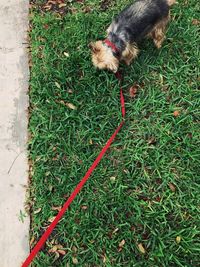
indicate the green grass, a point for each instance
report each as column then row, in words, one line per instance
column 146, row 188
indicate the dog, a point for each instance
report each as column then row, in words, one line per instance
column 143, row 18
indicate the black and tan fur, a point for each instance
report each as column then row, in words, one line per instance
column 144, row 18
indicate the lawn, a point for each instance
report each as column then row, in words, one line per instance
column 140, row 208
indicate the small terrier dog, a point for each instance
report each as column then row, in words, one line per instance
column 144, row 18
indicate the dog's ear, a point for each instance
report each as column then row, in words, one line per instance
column 93, row 47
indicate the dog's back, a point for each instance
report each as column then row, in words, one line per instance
column 138, row 19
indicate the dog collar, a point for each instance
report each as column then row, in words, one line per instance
column 110, row 44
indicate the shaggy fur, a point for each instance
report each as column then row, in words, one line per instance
column 144, row 18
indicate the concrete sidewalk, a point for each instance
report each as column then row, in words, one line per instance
column 14, row 222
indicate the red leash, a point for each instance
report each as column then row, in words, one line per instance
column 51, row 227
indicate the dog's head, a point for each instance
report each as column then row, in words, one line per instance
column 102, row 57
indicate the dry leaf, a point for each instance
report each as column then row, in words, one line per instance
column 115, row 231
column 176, row 113
column 133, row 90
column 55, row 248
column 112, row 178
column 141, row 248
column 87, row 9
column 62, row 252
column 172, row 187
column 195, row 22
column 91, row 142
column 66, row 54
column 56, row 208
column 62, row 5
column 104, row 258
column 152, row 141
column 74, row 260
column 71, row 106
column 178, row 239
column 74, row 249
column 70, row 91
column 57, row 85
column 32, row 240
column 122, row 243
column 51, row 219
column 84, row 207
column 37, row 211
column 46, row 26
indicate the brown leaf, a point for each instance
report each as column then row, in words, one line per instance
column 55, row 248
column 71, row 106
column 51, row 219
column 62, row 5
column 84, row 207
column 46, row 26
column 74, row 260
column 57, row 85
column 141, row 248
column 62, row 252
column 112, row 178
column 66, row 54
column 115, row 231
column 87, row 9
column 37, row 211
column 70, row 91
column 122, row 243
column 176, row 113
column 172, row 187
column 56, row 208
column 152, row 140
column 133, row 90
column 32, row 241
column 74, row 249
column 195, row 22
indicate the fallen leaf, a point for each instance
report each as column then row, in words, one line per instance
column 74, row 249
column 112, row 178
column 157, row 199
column 133, row 90
column 115, row 231
column 66, row 54
column 178, row 239
column 195, row 22
column 57, row 85
column 37, row 211
column 71, row 106
column 91, row 142
column 62, row 5
column 141, row 248
column 32, row 241
column 46, row 26
column 84, row 207
column 70, row 91
column 172, row 187
column 104, row 258
column 176, row 113
column 74, row 260
column 152, row 140
column 55, row 248
column 62, row 252
column 51, row 219
column 87, row 9
column 122, row 243
column 56, row 208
